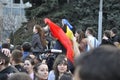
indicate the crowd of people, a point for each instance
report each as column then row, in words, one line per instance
column 83, row 57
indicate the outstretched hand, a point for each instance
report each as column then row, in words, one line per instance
column 6, row 52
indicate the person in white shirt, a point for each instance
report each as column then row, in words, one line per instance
column 92, row 41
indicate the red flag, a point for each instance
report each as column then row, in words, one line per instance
column 58, row 33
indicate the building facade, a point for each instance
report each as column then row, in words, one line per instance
column 12, row 15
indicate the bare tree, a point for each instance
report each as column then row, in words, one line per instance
column 11, row 24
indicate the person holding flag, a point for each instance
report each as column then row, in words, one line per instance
column 69, row 29
column 58, row 33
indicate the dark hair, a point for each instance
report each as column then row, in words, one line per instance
column 114, row 30
column 17, row 56
column 41, row 34
column 5, row 59
column 64, row 28
column 36, row 67
column 81, row 35
column 66, row 76
column 19, row 76
column 101, row 63
column 74, row 29
column 59, row 60
column 91, row 31
column 30, row 59
column 26, row 46
column 6, row 45
column 107, row 33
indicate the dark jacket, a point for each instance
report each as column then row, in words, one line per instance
column 36, row 43
column 106, row 42
column 5, row 72
column 20, row 68
column 59, row 46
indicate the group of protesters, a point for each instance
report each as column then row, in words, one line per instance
column 77, row 55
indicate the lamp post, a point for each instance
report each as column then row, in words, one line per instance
column 100, row 21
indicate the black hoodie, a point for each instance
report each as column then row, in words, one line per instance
column 5, row 72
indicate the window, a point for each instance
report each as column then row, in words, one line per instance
column 22, row 12
column 16, row 1
column 16, row 11
column 7, row 11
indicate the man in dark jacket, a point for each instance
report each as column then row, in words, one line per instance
column 26, row 47
column 5, row 69
column 115, row 37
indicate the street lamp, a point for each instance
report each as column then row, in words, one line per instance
column 100, row 21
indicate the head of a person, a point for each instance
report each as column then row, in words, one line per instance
column 6, row 45
column 4, row 60
column 18, row 47
column 41, row 71
column 89, row 31
column 60, row 65
column 37, row 29
column 26, row 46
column 101, row 63
column 114, row 31
column 66, row 76
column 19, row 76
column 107, row 33
column 64, row 28
column 29, row 64
column 16, row 56
column 79, row 34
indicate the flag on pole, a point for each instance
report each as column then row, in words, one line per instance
column 58, row 33
column 65, row 21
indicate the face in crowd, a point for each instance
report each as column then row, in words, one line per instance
column 28, row 65
column 41, row 71
column 62, row 66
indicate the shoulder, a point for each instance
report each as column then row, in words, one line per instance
column 51, row 75
column 20, row 68
column 51, row 72
column 35, row 35
column 13, row 69
column 10, row 69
